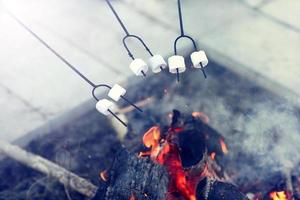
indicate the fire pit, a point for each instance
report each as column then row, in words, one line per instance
column 187, row 173
column 232, row 139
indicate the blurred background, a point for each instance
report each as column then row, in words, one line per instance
column 258, row 39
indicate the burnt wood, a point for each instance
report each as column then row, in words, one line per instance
column 129, row 175
column 215, row 190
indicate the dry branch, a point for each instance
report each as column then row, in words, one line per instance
column 49, row 168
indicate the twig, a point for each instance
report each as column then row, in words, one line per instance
column 39, row 181
column 140, row 104
column 289, row 183
column 121, row 130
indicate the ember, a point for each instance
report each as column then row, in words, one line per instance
column 278, row 195
column 213, row 155
column 103, row 175
column 223, row 146
column 203, row 117
column 132, row 197
column 167, row 154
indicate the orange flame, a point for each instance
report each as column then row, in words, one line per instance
column 213, row 155
column 103, row 175
column 164, row 152
column 223, row 146
column 278, row 195
column 151, row 139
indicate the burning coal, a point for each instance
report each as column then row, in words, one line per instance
column 186, row 163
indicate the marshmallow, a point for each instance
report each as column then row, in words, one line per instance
column 176, row 62
column 116, row 92
column 104, row 105
column 156, row 62
column 137, row 66
column 198, row 57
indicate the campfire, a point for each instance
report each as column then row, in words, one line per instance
column 181, row 161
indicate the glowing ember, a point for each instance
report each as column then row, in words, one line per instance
column 103, row 175
column 278, row 196
column 223, row 146
column 166, row 152
column 200, row 115
column 213, row 155
column 132, row 197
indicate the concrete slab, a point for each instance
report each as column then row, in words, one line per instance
column 246, row 40
column 256, row 3
column 247, row 36
column 286, row 11
column 17, row 116
column 273, row 54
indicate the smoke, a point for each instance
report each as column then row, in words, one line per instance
column 257, row 124
column 271, row 134
column 261, row 129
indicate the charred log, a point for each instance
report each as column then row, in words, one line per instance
column 130, row 175
column 192, row 147
column 212, row 190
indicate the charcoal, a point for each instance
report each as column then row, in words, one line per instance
column 215, row 190
column 131, row 175
column 192, row 147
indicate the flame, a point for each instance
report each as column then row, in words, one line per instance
column 132, row 197
column 151, row 139
column 278, row 195
column 203, row 117
column 103, row 175
column 223, row 146
column 165, row 152
column 213, row 155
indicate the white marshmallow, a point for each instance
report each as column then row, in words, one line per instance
column 137, row 66
column 104, row 105
column 198, row 57
column 156, row 62
column 176, row 62
column 116, row 92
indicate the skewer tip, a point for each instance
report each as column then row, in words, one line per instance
column 177, row 73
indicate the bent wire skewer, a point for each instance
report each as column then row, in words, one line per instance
column 138, row 66
column 104, row 106
column 196, row 60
